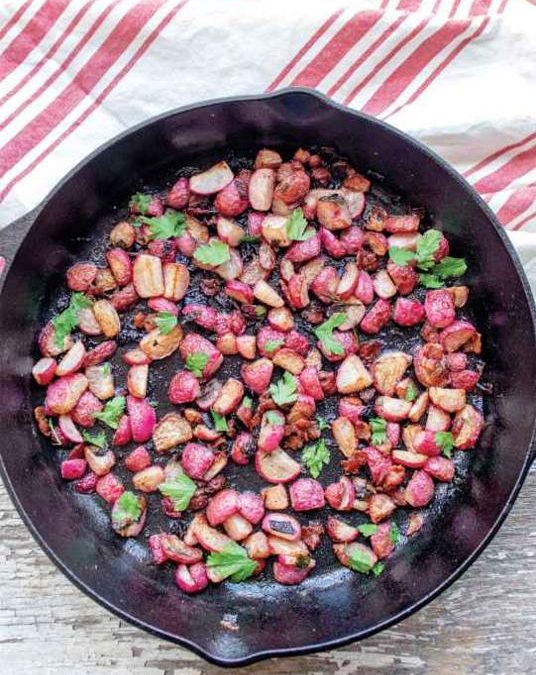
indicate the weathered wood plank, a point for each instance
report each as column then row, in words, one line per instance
column 486, row 623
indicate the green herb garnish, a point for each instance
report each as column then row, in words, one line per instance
column 140, row 202
column 67, row 321
column 315, row 456
column 126, row 510
column 297, row 226
column 112, row 413
column 246, row 402
column 322, row 423
column 165, row 322
column 324, row 333
column 445, row 441
column 378, row 427
column 220, row 423
column 284, row 391
column 360, row 561
column 196, row 363
column 367, row 529
column 272, row 345
column 213, row 254
column 98, row 439
column 170, row 224
column 394, row 533
column 272, row 417
column 180, row 490
column 426, row 248
column 232, row 563
column 411, row 392
column 447, row 267
column 378, row 568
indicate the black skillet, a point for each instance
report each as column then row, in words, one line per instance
column 240, row 623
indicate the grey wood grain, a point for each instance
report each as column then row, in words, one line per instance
column 485, row 623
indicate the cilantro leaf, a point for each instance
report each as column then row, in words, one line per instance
column 315, row 456
column 445, row 441
column 180, row 490
column 394, row 533
column 322, row 423
column 275, row 418
column 401, row 256
column 246, row 402
column 196, row 363
column 367, row 529
column 220, row 423
column 378, row 568
column 170, row 224
column 378, row 426
column 297, row 226
column 324, row 333
column 271, row 345
column 112, row 413
column 214, row 254
column 232, row 563
column 427, row 247
column 430, row 281
column 284, row 391
column 450, row 267
column 165, row 322
column 360, row 560
column 140, row 202
column 98, row 439
column 411, row 392
column 126, row 510
column 67, row 321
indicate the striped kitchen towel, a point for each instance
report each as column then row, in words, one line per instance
column 457, row 74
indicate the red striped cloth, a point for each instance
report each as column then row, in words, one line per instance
column 457, row 74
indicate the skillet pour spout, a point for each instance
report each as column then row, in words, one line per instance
column 236, row 624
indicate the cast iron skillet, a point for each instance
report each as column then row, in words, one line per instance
column 334, row 606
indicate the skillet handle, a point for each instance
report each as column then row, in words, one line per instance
column 11, row 238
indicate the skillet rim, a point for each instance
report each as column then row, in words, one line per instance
column 263, row 654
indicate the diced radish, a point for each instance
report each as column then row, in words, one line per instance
column 183, row 387
column 376, row 318
column 44, row 370
column 449, row 400
column 148, row 276
column 123, row 433
column 402, row 224
column 107, row 318
column 191, row 579
column 457, row 334
column 290, row 575
column 439, row 308
column 381, row 541
column 80, row 276
column 276, row 466
column 86, row 407
column 101, row 381
column 110, row 488
column 69, row 429
column 196, row 460
column 157, row 345
column 142, row 418
column 148, row 479
column 138, row 459
column 410, row 459
column 266, row 294
column 404, row 277
column 345, row 436
column 137, row 378
column 194, row 344
column 179, row 194
column 306, row 494
column 246, row 346
column 340, row 531
column 348, row 282
column 171, row 430
column 100, row 462
column 300, row 251
column 239, row 291
column 233, row 199
column 466, row 427
column 176, row 281
column 383, row 285
column 345, row 552
column 420, row 489
column 352, row 375
column 72, row 469
column 341, row 495
column 63, row 394
column 47, row 341
column 229, row 397
column 102, row 352
column 209, row 538
column 408, row 312
column 281, row 525
column 272, row 431
column 212, row 180
column 392, row 409
column 257, row 375
column 251, row 507
column 237, row 527
column 440, row 468
column 261, row 189
column 333, row 213
column 388, row 370
column 135, row 357
column 119, row 262
column 352, row 408
column 223, row 505
column 311, row 384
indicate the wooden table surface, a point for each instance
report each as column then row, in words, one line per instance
column 485, row 623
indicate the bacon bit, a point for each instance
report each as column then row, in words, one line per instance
column 314, row 314
column 355, row 462
column 369, row 351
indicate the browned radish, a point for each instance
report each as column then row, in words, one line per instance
column 412, row 460
column 280, row 546
column 388, row 370
column 274, row 229
column 340, row 532
column 176, row 281
column 257, row 375
column 44, row 370
column 267, row 158
column 212, row 180
column 101, row 380
column 171, row 430
column 457, row 334
column 208, row 537
column 233, row 268
column 107, row 318
column 352, row 376
column 275, row 497
column 276, row 466
column 148, row 276
column 265, row 293
column 69, row 429
column 229, row 397
column 341, row 495
column 137, row 380
column 99, row 461
column 229, row 232
column 261, row 189
column 282, row 525
column 345, row 552
column 157, row 345
column 333, row 213
column 64, row 393
column 289, row 360
column 219, row 464
column 257, row 546
column 80, row 276
column 119, row 262
column 345, row 436
column 136, row 357
column 392, row 409
column 466, row 428
column 449, row 400
column 246, row 346
column 289, row 575
column 420, row 489
column 148, row 480
column 237, row 527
